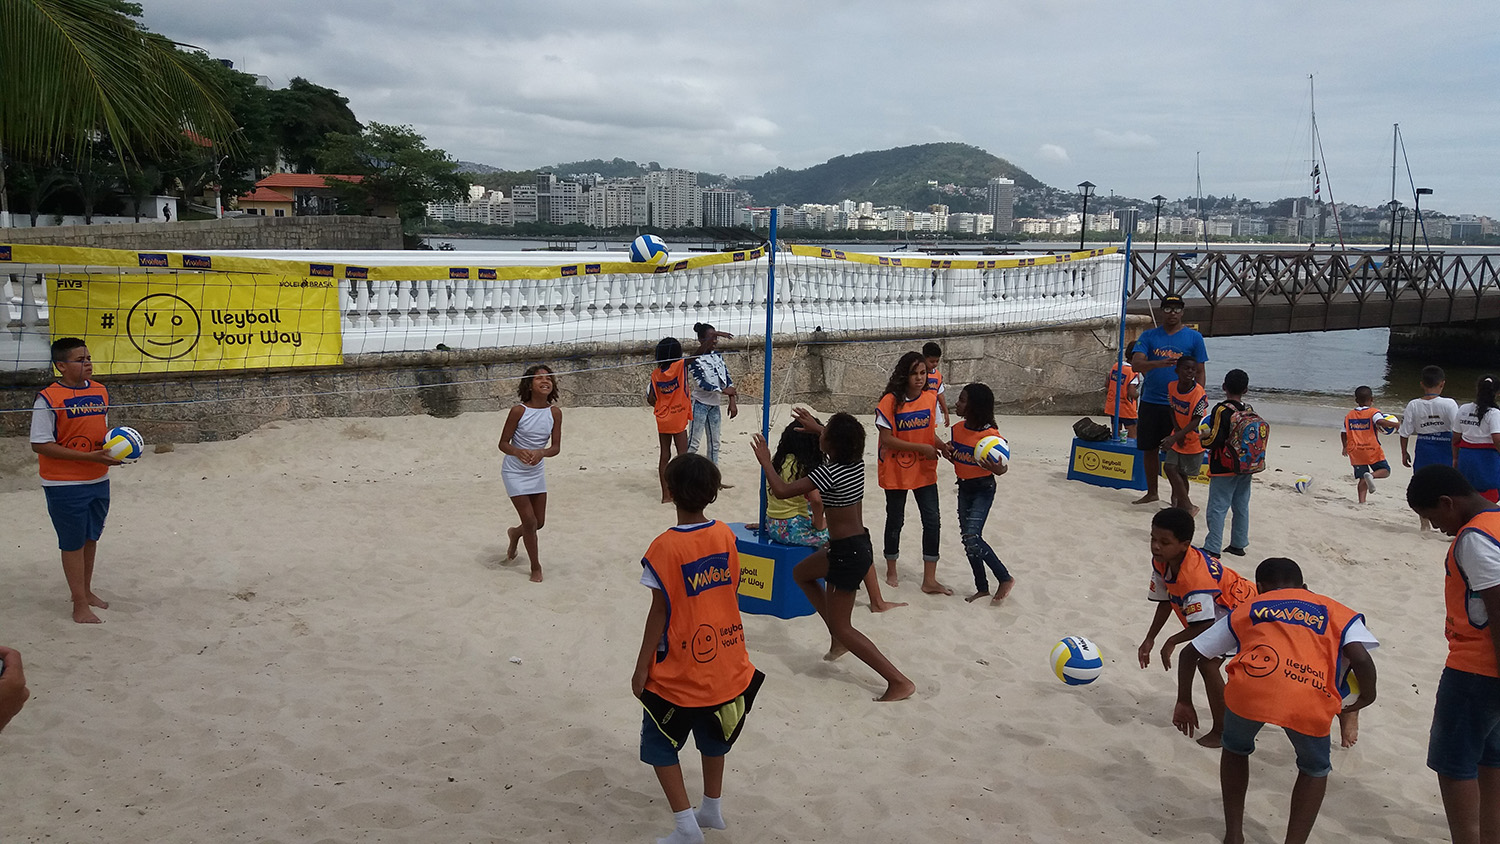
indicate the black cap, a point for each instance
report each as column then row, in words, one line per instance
column 1172, row 300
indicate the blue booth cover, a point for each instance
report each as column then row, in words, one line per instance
column 1118, row 465
column 766, row 585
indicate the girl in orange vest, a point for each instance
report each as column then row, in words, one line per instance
column 532, row 433
column 906, row 420
column 976, row 488
column 668, row 396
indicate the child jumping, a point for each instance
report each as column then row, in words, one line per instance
column 906, row 421
column 932, row 354
column 976, row 488
column 1361, row 441
column 532, row 433
column 1292, row 645
column 668, row 396
column 1200, row 591
column 848, row 557
column 693, row 674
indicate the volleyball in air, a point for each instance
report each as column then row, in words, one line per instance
column 1303, row 483
column 1076, row 661
column 648, row 249
column 124, row 443
column 994, row 451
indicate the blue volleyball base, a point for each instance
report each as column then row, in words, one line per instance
column 1117, row 465
column 766, row 585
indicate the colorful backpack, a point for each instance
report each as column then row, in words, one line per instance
column 1248, row 436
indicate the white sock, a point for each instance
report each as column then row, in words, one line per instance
column 686, row 831
column 709, row 814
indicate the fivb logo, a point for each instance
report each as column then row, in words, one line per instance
column 706, row 573
column 1298, row 613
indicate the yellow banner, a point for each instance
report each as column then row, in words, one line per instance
column 1104, row 464
column 756, row 576
column 925, row 262
column 198, row 321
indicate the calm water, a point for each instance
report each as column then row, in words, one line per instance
column 1303, row 376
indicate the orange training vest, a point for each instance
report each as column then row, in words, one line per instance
column 1200, row 572
column 705, row 663
column 934, row 380
column 916, row 422
column 1184, row 408
column 1290, row 660
column 81, row 426
column 1470, row 647
column 1363, row 439
column 1128, row 409
column 674, row 405
column 964, row 439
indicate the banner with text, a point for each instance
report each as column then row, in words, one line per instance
column 199, row 321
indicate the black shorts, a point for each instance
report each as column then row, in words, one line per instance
column 1155, row 423
column 848, row 560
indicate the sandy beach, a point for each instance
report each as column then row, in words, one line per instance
column 312, row 635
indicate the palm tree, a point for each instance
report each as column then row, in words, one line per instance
column 76, row 71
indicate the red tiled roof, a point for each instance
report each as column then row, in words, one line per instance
column 302, row 180
column 265, row 195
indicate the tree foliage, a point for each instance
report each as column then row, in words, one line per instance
column 888, row 177
column 398, row 167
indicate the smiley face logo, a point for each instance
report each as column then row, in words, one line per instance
column 163, row 326
column 1260, row 661
column 705, row 643
column 1090, row 461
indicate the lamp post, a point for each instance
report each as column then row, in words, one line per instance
column 1421, row 192
column 1400, row 229
column 1394, row 205
column 1087, row 190
column 1156, row 232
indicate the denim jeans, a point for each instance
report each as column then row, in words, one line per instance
column 895, row 517
column 975, row 496
column 1226, row 492
column 706, row 417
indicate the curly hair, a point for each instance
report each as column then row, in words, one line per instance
column 896, row 386
column 523, row 389
column 799, row 445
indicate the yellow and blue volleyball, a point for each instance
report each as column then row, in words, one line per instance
column 648, row 249
column 1349, row 689
column 124, row 443
column 1392, row 419
column 994, row 451
column 1076, row 661
column 1303, row 483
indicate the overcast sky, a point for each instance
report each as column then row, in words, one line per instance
column 1119, row 94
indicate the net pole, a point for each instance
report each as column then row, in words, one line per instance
column 1119, row 373
column 765, row 398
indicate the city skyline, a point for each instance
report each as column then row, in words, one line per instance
column 1125, row 97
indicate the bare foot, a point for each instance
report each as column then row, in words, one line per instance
column 890, row 573
column 83, row 615
column 96, row 601
column 1003, row 591
column 885, row 605
column 898, row 691
column 1348, row 728
column 932, row 587
column 1146, row 499
column 536, row 574
column 1212, row 739
column 515, row 540
column 976, row 596
column 835, row 651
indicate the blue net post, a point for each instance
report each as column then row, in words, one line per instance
column 1119, row 373
column 765, row 398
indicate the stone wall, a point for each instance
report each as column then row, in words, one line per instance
column 1463, row 343
column 331, row 232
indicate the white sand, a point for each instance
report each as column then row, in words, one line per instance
column 311, row 628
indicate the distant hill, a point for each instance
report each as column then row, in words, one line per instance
column 889, row 177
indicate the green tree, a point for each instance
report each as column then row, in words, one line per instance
column 304, row 115
column 398, row 168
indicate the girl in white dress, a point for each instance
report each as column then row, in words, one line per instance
column 533, row 432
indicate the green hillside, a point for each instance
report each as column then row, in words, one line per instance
column 889, row 177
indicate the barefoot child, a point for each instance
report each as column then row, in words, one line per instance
column 848, row 557
column 1182, row 453
column 68, row 424
column 976, row 488
column 532, row 433
column 932, row 355
column 906, row 421
column 693, row 674
column 1291, row 645
column 1361, row 440
column 1199, row 590
column 798, row 520
column 668, row 396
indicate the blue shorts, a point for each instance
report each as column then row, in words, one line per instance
column 658, row 752
column 1314, row 753
column 1465, row 725
column 78, row 512
column 1361, row 471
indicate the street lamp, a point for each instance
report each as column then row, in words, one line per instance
column 1087, row 190
column 1421, row 192
column 1401, row 229
column 1394, row 205
column 1156, row 233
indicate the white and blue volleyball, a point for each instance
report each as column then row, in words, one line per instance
column 993, row 451
column 1393, row 419
column 648, row 249
column 1303, row 483
column 124, row 443
column 1076, row 661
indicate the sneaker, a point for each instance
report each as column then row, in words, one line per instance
column 1237, row 551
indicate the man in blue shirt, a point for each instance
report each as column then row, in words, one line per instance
column 1155, row 358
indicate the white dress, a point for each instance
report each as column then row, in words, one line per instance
column 533, row 432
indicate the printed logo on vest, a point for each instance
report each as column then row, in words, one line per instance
column 914, row 420
column 706, row 573
column 80, row 406
column 1297, row 613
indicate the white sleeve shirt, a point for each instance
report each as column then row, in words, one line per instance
column 1479, row 557
column 1219, row 640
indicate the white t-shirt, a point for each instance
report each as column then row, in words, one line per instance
column 1196, row 606
column 1479, row 558
column 1219, row 640
column 44, row 430
column 1476, row 431
column 1434, row 417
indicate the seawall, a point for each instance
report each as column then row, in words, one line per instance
column 335, row 232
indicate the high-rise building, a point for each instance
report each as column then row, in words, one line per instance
column 721, row 208
column 1001, row 196
column 673, row 199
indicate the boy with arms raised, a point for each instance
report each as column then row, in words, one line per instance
column 1464, row 748
column 1200, row 591
column 693, row 674
column 1292, row 646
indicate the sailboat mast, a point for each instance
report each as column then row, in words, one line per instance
column 1395, row 135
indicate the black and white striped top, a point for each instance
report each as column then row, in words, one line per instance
column 840, row 484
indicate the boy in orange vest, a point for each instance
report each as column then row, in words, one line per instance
column 1181, row 451
column 1199, row 590
column 68, row 423
column 933, row 354
column 693, row 674
column 1465, row 745
column 1293, row 646
column 1361, row 439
